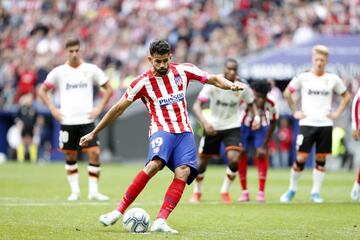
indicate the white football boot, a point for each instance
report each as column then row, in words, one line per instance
column 97, row 196
column 110, row 218
column 161, row 226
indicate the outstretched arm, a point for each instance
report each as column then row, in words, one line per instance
column 221, row 82
column 114, row 112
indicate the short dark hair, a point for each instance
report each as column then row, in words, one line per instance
column 263, row 87
column 231, row 60
column 70, row 42
column 160, row 47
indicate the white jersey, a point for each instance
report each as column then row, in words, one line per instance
column 268, row 113
column 225, row 111
column 355, row 112
column 76, row 86
column 316, row 96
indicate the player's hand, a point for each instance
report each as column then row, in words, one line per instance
column 237, row 86
column 356, row 134
column 333, row 115
column 84, row 141
column 209, row 129
column 57, row 114
column 256, row 124
column 299, row 115
column 95, row 112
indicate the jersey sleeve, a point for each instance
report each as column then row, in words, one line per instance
column 51, row 80
column 295, row 84
column 99, row 76
column 273, row 108
column 339, row 87
column 355, row 111
column 135, row 90
column 194, row 73
column 248, row 95
column 205, row 94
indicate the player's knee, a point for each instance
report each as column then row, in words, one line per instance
column 320, row 164
column 70, row 156
column 202, row 168
column 94, row 155
column 182, row 172
column 153, row 167
column 298, row 165
column 233, row 166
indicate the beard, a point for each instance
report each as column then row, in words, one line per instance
column 162, row 71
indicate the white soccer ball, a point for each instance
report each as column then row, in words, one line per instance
column 136, row 220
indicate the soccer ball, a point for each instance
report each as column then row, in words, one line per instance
column 136, row 220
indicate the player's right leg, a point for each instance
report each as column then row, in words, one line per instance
column 209, row 147
column 160, row 149
column 203, row 160
column 304, row 142
column 135, row 188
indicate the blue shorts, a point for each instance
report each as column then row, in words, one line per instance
column 252, row 139
column 175, row 149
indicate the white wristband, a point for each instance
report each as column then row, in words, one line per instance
column 256, row 118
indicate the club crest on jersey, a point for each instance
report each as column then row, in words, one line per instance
column 178, row 80
column 171, row 99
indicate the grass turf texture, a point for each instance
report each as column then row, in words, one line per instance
column 33, row 206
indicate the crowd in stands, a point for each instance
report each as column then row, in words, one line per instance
column 115, row 34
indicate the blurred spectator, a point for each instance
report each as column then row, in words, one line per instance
column 281, row 157
column 26, row 118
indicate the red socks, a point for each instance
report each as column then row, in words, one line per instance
column 133, row 191
column 262, row 166
column 172, row 197
column 358, row 177
column 242, row 170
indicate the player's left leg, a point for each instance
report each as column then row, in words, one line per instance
column 231, row 141
column 355, row 192
column 94, row 174
column 184, row 165
column 323, row 148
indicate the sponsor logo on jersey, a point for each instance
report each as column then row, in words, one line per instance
column 171, row 99
column 318, row 92
column 76, row 85
column 226, row 104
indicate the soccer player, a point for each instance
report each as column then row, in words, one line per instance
column 222, row 125
column 75, row 81
column 258, row 138
column 355, row 192
column 171, row 143
column 316, row 119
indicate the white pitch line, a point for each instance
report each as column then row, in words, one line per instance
column 33, row 203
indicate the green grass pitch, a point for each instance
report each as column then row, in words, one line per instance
column 33, row 206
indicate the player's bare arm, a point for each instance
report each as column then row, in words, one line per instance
column 107, row 89
column 343, row 103
column 292, row 104
column 114, row 112
column 55, row 112
column 197, row 109
column 221, row 82
column 257, row 120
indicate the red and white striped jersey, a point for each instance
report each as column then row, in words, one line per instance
column 267, row 113
column 355, row 113
column 164, row 96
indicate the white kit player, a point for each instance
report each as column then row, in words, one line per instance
column 221, row 126
column 75, row 81
column 316, row 119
